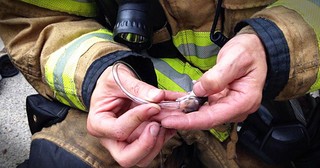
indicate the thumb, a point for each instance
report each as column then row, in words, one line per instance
column 136, row 88
column 216, row 79
column 232, row 63
column 236, row 59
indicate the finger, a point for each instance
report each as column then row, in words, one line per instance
column 137, row 87
column 216, row 79
column 128, row 155
column 209, row 116
column 107, row 103
column 164, row 113
column 137, row 132
column 172, row 96
column 163, row 137
column 196, row 120
column 104, row 124
column 234, row 61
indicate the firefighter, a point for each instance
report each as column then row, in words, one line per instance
column 67, row 51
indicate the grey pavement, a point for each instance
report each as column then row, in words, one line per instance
column 15, row 136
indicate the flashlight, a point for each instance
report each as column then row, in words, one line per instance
column 136, row 20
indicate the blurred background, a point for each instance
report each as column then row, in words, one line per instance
column 15, row 136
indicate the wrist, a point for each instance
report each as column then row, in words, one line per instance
column 100, row 65
column 277, row 54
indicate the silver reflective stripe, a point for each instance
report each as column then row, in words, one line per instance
column 61, row 66
column 199, row 51
column 182, row 80
column 62, row 61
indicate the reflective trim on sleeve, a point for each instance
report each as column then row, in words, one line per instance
column 175, row 75
column 61, row 67
column 77, row 7
column 197, row 48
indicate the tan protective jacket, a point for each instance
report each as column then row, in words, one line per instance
column 32, row 35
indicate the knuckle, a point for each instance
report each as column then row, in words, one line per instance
column 211, row 83
column 139, row 119
column 136, row 88
column 119, row 135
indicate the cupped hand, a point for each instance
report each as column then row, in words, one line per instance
column 124, row 127
column 233, row 86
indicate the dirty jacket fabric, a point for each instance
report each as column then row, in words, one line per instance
column 35, row 36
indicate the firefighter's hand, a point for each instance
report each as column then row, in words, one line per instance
column 124, row 127
column 233, row 86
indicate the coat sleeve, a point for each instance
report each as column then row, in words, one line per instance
column 290, row 32
column 62, row 55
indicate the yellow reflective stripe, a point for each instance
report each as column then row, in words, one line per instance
column 50, row 77
column 183, row 68
column 61, row 66
column 68, row 78
column 197, row 48
column 165, row 82
column 175, row 75
column 171, row 74
column 220, row 135
column 83, row 8
column 189, row 36
column 202, row 63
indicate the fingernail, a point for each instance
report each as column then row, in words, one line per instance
column 154, row 130
column 153, row 93
column 198, row 89
column 154, row 110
